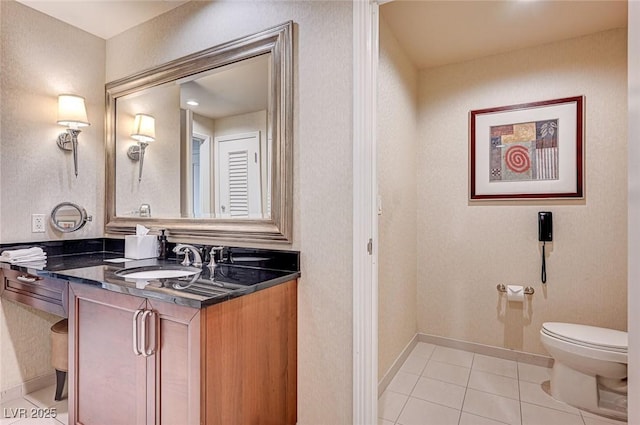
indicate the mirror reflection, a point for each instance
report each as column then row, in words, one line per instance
column 68, row 217
column 211, row 154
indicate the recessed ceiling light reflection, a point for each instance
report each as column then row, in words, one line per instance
column 192, row 102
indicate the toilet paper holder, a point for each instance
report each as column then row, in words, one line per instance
column 528, row 290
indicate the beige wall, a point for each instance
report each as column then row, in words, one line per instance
column 40, row 58
column 465, row 250
column 322, row 167
column 160, row 185
column 397, row 148
column 37, row 65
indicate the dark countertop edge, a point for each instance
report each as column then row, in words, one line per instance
column 184, row 301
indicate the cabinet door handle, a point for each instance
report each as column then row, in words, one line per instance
column 146, row 351
column 26, row 279
column 136, row 351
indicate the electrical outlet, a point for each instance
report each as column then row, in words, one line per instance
column 37, row 223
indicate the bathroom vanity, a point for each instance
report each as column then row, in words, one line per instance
column 216, row 348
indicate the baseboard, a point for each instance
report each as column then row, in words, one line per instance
column 27, row 387
column 397, row 364
column 488, row 350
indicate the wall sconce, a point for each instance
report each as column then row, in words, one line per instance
column 144, row 131
column 73, row 114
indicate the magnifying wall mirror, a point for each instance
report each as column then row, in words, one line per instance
column 67, row 217
column 220, row 164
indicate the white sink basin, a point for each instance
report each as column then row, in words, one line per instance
column 157, row 272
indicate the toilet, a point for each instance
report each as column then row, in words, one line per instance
column 590, row 367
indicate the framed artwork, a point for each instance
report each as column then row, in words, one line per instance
column 528, row 151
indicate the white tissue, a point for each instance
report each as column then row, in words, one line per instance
column 515, row 293
column 140, row 245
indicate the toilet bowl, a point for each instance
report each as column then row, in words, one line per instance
column 590, row 367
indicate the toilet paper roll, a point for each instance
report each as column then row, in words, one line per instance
column 515, row 293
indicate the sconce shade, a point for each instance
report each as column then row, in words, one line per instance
column 144, row 128
column 72, row 111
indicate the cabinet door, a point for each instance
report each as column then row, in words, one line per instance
column 250, row 358
column 107, row 381
column 174, row 368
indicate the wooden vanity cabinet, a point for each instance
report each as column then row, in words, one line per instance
column 42, row 293
column 111, row 384
column 230, row 363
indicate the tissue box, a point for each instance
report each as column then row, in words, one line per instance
column 140, row 246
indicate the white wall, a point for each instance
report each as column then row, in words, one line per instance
column 634, row 209
column 397, row 148
column 322, row 166
column 464, row 250
column 40, row 58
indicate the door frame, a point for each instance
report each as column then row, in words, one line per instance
column 365, row 218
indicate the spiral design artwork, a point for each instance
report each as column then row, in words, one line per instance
column 517, row 159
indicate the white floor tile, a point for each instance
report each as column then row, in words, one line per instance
column 441, row 386
column 420, row 412
column 34, row 421
column 588, row 420
column 501, row 409
column 415, row 364
column 452, row 356
column 403, row 382
column 440, row 392
column 447, row 372
column 62, row 411
column 538, row 415
column 494, row 384
column 43, row 397
column 534, row 394
column 598, row 419
column 469, row 419
column 533, row 373
column 508, row 368
column 390, row 405
column 423, row 349
column 15, row 410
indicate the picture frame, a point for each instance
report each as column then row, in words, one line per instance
column 527, row 151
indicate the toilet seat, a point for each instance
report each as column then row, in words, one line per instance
column 588, row 336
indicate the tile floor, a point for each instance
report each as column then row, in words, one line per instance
column 444, row 386
column 21, row 411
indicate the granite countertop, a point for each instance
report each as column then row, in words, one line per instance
column 252, row 271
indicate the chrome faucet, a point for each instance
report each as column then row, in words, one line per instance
column 216, row 256
column 184, row 249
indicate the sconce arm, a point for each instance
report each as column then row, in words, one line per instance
column 68, row 141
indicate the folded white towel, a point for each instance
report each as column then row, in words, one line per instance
column 29, row 259
column 34, row 264
column 11, row 254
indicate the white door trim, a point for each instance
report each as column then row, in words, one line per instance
column 365, row 218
